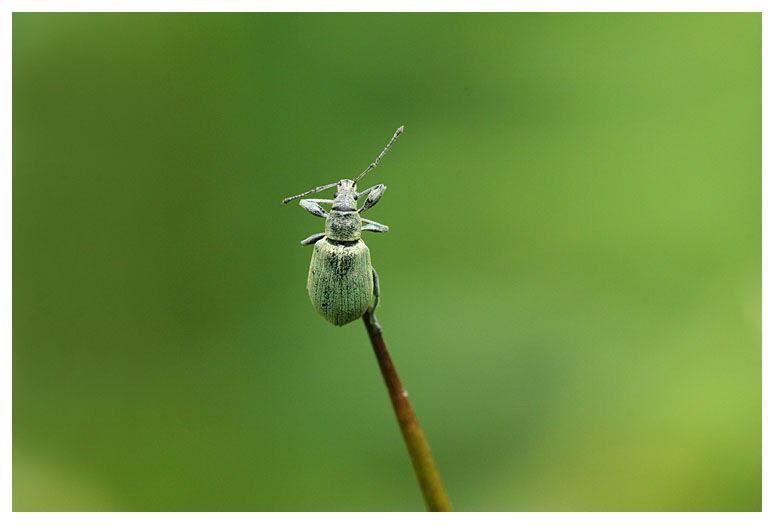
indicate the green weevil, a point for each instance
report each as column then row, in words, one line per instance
column 341, row 279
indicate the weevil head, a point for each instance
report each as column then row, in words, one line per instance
column 345, row 196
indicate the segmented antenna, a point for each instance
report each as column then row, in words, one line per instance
column 374, row 164
column 371, row 167
column 315, row 190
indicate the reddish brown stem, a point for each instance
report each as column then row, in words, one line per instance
column 424, row 467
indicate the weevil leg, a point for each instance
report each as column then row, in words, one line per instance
column 372, row 226
column 374, row 195
column 312, row 239
column 375, row 277
column 376, row 287
column 380, row 187
column 313, row 207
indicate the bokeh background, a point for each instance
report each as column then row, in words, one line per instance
column 571, row 282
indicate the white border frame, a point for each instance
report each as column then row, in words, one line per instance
column 397, row 6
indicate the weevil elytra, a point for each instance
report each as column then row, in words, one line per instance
column 341, row 280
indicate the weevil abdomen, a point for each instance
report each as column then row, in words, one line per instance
column 340, row 282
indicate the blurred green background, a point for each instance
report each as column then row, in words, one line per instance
column 571, row 282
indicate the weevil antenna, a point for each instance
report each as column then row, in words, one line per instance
column 374, row 164
column 314, row 190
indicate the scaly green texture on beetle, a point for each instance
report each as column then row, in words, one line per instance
column 341, row 280
column 340, row 283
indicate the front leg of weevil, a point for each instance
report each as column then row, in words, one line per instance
column 372, row 226
column 374, row 194
column 312, row 206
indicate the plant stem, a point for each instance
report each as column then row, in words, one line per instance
column 424, row 467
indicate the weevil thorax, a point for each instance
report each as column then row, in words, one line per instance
column 344, row 221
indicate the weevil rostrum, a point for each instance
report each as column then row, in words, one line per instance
column 341, row 280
